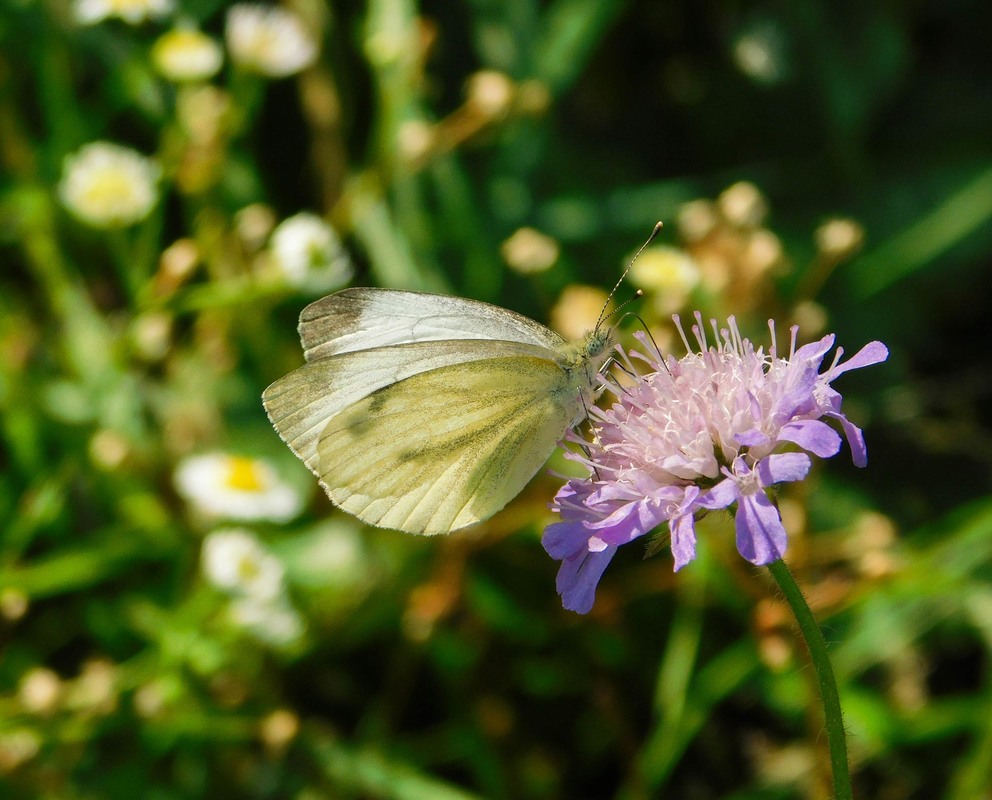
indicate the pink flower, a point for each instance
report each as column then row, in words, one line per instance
column 699, row 433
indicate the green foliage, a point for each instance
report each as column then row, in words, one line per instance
column 516, row 152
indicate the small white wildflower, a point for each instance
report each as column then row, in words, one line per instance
column 743, row 205
column 254, row 224
column 415, row 139
column 839, row 238
column 697, row 219
column 528, row 251
column 109, row 186
column 274, row 622
column 14, row 604
column 490, row 93
column 40, row 691
column 133, row 12
column 309, row 254
column 269, row 40
column 236, row 487
column 759, row 53
column 187, row 54
column 235, row 561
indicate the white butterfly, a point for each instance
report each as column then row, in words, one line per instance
column 428, row 413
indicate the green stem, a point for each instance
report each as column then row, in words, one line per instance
column 817, row 647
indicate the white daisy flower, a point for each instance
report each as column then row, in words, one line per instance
column 233, row 560
column 109, row 186
column 134, row 12
column 187, row 54
column 236, row 487
column 274, row 622
column 308, row 253
column 269, row 40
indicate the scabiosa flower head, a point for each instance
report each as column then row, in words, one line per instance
column 236, row 487
column 109, row 186
column 699, row 433
column 308, row 253
column 269, row 40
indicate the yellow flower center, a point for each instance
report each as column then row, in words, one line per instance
column 244, row 474
column 248, row 569
column 120, row 6
column 107, row 188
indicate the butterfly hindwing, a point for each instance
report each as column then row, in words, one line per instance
column 449, row 447
column 301, row 403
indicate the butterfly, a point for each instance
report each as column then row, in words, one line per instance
column 428, row 413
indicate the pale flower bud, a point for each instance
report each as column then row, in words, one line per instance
column 529, row 251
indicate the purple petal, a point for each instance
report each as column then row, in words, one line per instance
column 761, row 537
column 855, row 438
column 812, row 435
column 565, row 539
column 871, row 353
column 782, row 467
column 752, row 438
column 814, row 351
column 578, row 578
column 627, row 523
column 830, row 400
column 683, row 529
column 722, row 495
column 800, row 392
column 607, row 492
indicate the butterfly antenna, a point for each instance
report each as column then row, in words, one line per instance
column 647, row 332
column 637, row 296
column 602, row 314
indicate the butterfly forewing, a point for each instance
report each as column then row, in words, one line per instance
column 362, row 319
column 447, row 448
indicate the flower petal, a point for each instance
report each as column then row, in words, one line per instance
column 814, row 351
column 855, row 438
column 871, row 353
column 753, row 438
column 627, row 522
column 761, row 537
column 578, row 577
column 565, row 539
column 783, row 467
column 683, row 529
column 812, row 435
column 722, row 495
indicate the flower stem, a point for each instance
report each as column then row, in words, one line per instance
column 817, row 647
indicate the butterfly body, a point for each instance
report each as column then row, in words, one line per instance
column 428, row 413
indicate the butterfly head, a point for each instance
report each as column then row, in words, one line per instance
column 590, row 353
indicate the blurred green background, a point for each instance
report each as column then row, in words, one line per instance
column 823, row 163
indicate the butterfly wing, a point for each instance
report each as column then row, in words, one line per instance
column 364, row 318
column 449, row 447
column 300, row 404
column 425, row 413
